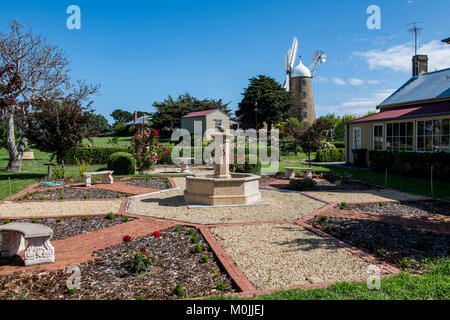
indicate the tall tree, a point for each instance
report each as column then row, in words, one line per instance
column 31, row 69
column 265, row 102
column 121, row 116
column 169, row 112
column 99, row 125
column 60, row 125
column 309, row 138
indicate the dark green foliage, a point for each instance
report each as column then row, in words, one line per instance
column 93, row 155
column 265, row 101
column 194, row 239
column 98, row 125
column 122, row 163
column 198, row 248
column 302, row 184
column 330, row 155
column 177, row 228
column 179, row 291
column 121, row 116
column 60, row 125
column 59, row 220
column 379, row 253
column 205, row 258
column 414, row 164
column 6, row 221
column 310, row 138
column 220, row 286
column 343, row 205
column 110, row 216
column 169, row 112
column 34, row 221
column 125, row 219
column 85, row 218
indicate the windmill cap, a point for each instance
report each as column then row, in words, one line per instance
column 301, row 71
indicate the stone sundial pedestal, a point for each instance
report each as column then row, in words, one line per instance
column 222, row 188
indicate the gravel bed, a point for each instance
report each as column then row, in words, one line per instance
column 273, row 256
column 73, row 226
column 389, row 242
column 352, row 196
column 113, row 276
column 72, row 193
column 58, row 208
column 171, row 205
column 151, row 183
column 407, row 208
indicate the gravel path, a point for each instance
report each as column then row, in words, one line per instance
column 57, row 208
column 170, row 205
column 273, row 256
column 364, row 196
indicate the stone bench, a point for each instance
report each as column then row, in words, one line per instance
column 290, row 174
column 38, row 236
column 107, row 177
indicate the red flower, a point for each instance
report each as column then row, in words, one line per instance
column 157, row 234
column 126, row 238
column 144, row 251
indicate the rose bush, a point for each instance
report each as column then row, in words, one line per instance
column 146, row 149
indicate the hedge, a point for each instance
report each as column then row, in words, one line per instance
column 330, row 155
column 339, row 144
column 122, row 163
column 413, row 164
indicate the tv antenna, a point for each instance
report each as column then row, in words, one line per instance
column 416, row 30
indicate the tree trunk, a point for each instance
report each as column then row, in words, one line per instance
column 15, row 152
column 309, row 158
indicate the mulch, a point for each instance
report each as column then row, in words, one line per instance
column 391, row 243
column 113, row 276
column 424, row 208
column 73, row 193
column 151, row 183
column 64, row 228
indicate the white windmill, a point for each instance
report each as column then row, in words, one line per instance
column 319, row 57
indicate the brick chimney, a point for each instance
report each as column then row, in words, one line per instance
column 419, row 64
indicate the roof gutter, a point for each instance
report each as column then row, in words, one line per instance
column 401, row 118
column 412, row 103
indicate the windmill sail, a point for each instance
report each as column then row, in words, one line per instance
column 290, row 61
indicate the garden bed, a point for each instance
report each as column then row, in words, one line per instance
column 398, row 245
column 151, row 183
column 72, row 193
column 328, row 181
column 407, row 208
column 64, row 228
column 113, row 277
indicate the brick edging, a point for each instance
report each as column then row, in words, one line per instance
column 227, row 263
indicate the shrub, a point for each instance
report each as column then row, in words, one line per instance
column 85, row 218
column 141, row 261
column 414, row 164
column 58, row 172
column 177, row 228
column 101, row 196
column 93, row 155
column 220, row 286
column 379, row 253
column 83, row 166
column 61, row 197
column 191, row 232
column 110, row 216
column 125, row 219
column 118, row 196
column 246, row 167
column 59, row 220
column 404, row 264
column 34, row 221
column 302, row 184
column 6, row 221
column 122, row 163
column 343, row 205
column 205, row 258
column 41, row 198
column 198, row 248
column 323, row 218
column 179, row 291
column 85, row 196
column 146, row 149
column 330, row 155
column 339, row 144
column 194, row 239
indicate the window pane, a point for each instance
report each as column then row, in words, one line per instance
column 389, row 130
column 428, row 127
column 410, row 144
column 437, row 144
column 420, row 128
column 420, row 143
column 396, row 143
column 436, row 127
column 409, row 129
column 402, row 143
column 389, row 145
column 445, row 144
column 403, row 129
column 428, row 143
column 446, row 127
column 396, row 129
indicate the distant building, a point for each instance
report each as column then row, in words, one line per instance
column 301, row 88
column 210, row 119
column 415, row 118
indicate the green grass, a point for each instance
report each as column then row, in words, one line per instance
column 103, row 141
column 434, row 284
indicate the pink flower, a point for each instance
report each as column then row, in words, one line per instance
column 146, row 148
column 157, row 234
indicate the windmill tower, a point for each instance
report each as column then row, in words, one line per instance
column 298, row 81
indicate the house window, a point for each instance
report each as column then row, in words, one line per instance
column 304, row 94
column 356, row 138
column 217, row 124
column 433, row 135
column 400, row 136
column 304, row 105
column 378, row 137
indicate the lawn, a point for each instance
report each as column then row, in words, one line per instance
column 434, row 284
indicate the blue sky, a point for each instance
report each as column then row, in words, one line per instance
column 143, row 51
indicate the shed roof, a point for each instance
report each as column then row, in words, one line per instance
column 200, row 113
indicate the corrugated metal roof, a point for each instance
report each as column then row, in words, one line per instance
column 139, row 120
column 427, row 109
column 199, row 113
column 426, row 86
